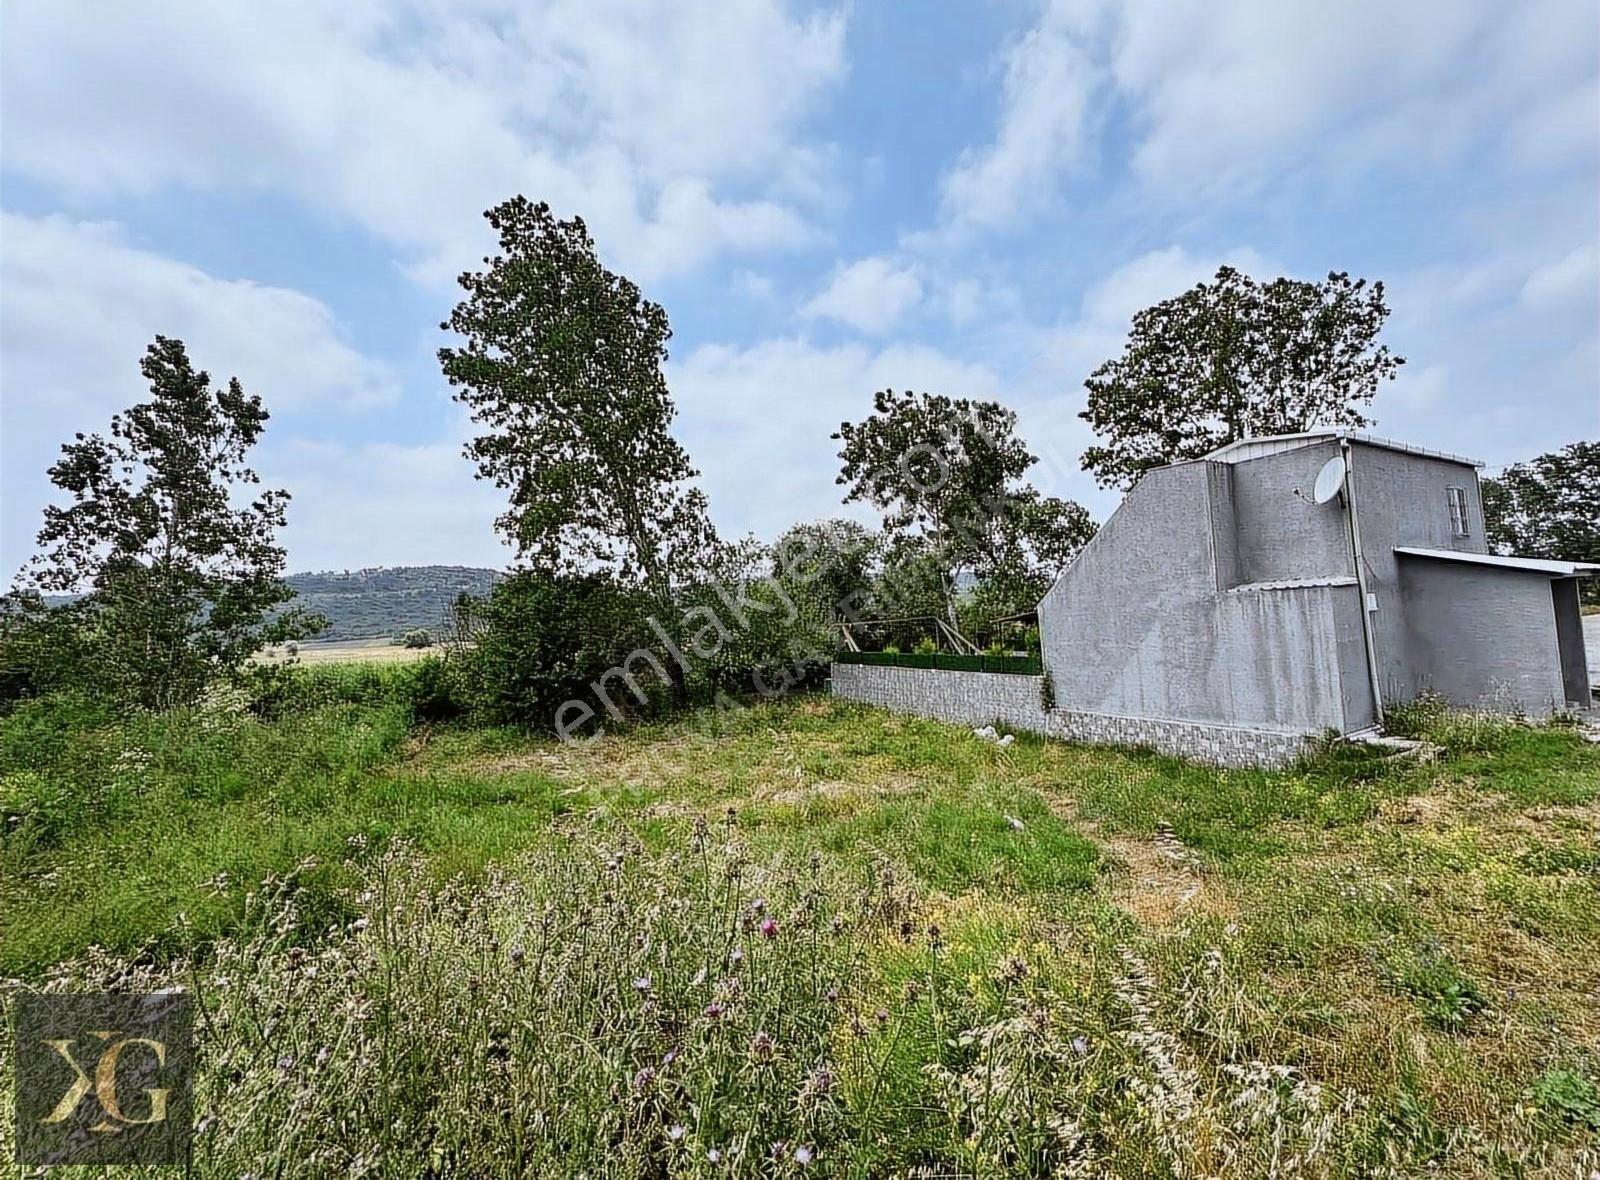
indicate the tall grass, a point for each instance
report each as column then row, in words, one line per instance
column 601, row 1011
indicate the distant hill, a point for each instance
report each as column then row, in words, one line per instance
column 372, row 603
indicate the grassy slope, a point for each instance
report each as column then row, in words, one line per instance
column 1427, row 936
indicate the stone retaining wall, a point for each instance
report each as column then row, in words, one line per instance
column 983, row 698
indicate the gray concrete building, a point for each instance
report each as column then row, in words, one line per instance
column 1302, row 583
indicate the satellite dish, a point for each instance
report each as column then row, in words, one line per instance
column 1330, row 480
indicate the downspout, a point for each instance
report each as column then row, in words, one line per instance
column 1361, row 579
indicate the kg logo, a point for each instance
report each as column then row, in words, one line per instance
column 103, row 1078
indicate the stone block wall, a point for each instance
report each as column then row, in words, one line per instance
column 984, row 698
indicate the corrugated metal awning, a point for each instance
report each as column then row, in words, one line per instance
column 1531, row 565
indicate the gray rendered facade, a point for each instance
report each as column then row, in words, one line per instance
column 1221, row 592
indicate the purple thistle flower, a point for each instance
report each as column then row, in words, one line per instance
column 643, row 1079
column 642, row 984
column 769, row 928
column 713, row 1010
column 713, row 1156
column 803, row 1156
column 675, row 1132
column 1080, row 1046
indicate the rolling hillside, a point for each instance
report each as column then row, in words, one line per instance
column 370, row 603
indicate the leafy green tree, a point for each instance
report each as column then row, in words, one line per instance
column 1234, row 358
column 181, row 585
column 827, row 565
column 1548, row 507
column 948, row 471
column 561, row 364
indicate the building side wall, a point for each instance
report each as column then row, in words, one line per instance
column 1569, row 641
column 1483, row 638
column 1401, row 501
column 983, row 698
column 1137, row 628
column 1281, row 533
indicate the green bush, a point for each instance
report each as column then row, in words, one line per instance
column 546, row 640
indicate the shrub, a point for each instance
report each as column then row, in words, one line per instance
column 415, row 637
column 542, row 641
column 926, row 647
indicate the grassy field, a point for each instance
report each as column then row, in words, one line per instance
column 816, row 938
column 352, row 651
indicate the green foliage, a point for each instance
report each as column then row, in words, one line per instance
column 925, row 647
column 1447, row 996
column 1429, row 717
column 1048, row 957
column 827, row 567
column 561, row 361
column 1548, row 507
column 947, row 660
column 1568, row 1096
column 945, row 473
column 1047, row 691
column 541, row 641
column 1234, row 358
column 416, row 637
column 372, row 603
column 182, row 586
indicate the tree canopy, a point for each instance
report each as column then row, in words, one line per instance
column 1547, row 507
column 947, row 473
column 180, row 583
column 560, row 363
column 1234, row 358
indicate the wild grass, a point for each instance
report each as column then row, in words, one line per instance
column 816, row 938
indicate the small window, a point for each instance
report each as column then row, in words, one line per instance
column 1458, row 510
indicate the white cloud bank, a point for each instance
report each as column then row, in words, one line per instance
column 1213, row 98
column 673, row 126
column 78, row 306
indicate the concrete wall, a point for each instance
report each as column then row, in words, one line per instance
column 1400, row 499
column 1281, row 533
column 1482, row 637
column 1137, row 628
column 982, row 698
column 1569, row 641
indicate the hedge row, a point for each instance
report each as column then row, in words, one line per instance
column 947, row 661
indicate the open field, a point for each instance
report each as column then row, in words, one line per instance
column 876, row 942
column 353, row 651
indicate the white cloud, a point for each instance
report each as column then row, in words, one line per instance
column 871, row 295
column 1220, row 97
column 411, row 119
column 1570, row 279
column 758, row 419
column 1073, row 348
column 78, row 306
column 1049, row 81
column 378, row 503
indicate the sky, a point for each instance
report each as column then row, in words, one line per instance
column 964, row 198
